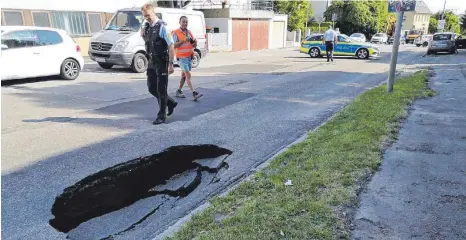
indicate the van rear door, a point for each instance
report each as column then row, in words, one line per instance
column 196, row 23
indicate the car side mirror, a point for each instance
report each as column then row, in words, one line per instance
column 4, row 47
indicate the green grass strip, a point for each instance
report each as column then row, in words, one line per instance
column 326, row 171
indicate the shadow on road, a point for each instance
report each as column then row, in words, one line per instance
column 32, row 80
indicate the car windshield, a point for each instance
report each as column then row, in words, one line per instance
column 356, row 35
column 126, row 21
column 440, row 37
column 379, row 35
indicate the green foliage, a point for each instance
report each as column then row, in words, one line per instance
column 296, row 11
column 463, row 22
column 365, row 16
column 433, row 23
column 452, row 23
column 314, row 27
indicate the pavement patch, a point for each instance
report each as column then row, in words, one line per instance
column 146, row 109
column 176, row 172
column 246, row 68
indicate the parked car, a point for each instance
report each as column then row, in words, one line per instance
column 314, row 46
column 379, row 38
column 358, row 37
column 423, row 40
column 121, row 44
column 391, row 40
column 443, row 42
column 460, row 42
column 39, row 51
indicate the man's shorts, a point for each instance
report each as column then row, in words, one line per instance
column 186, row 64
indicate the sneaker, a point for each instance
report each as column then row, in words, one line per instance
column 180, row 94
column 197, row 95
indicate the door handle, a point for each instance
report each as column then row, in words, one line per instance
column 36, row 53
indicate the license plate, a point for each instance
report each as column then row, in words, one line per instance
column 102, row 60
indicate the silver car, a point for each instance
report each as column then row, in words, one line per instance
column 358, row 37
column 442, row 42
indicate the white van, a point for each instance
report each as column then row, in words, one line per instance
column 423, row 40
column 121, row 44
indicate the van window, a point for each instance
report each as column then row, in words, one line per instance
column 126, row 21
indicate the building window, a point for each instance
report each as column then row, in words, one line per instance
column 41, row 19
column 13, row 18
column 73, row 22
column 95, row 23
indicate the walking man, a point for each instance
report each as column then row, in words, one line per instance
column 184, row 50
column 160, row 51
column 330, row 39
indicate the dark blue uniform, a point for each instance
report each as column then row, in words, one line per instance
column 157, row 71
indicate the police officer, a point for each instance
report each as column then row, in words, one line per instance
column 160, row 51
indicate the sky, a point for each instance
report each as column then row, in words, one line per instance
column 459, row 6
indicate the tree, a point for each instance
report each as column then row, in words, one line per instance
column 452, row 21
column 463, row 22
column 391, row 23
column 433, row 23
column 366, row 17
column 296, row 11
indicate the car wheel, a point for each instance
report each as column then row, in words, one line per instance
column 314, row 52
column 362, row 54
column 70, row 69
column 140, row 63
column 429, row 52
column 105, row 65
column 196, row 60
column 418, row 45
column 425, row 44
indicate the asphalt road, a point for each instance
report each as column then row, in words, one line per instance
column 56, row 133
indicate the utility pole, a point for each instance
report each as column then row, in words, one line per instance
column 396, row 44
column 443, row 14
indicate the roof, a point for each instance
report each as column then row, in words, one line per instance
column 421, row 7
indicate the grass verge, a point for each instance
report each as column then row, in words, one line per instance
column 326, row 172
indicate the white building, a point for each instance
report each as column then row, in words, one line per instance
column 245, row 25
column 319, row 7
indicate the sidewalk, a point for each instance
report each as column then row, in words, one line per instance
column 420, row 190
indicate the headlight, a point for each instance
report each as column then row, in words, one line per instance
column 120, row 46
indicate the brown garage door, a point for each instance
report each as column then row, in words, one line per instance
column 240, row 35
column 259, row 34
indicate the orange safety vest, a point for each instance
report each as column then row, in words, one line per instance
column 185, row 50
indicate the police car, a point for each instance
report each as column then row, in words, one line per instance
column 313, row 46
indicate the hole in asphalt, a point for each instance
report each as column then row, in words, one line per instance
column 124, row 184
